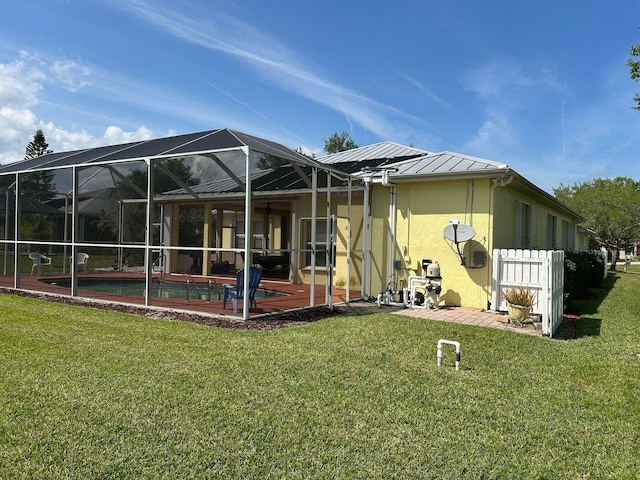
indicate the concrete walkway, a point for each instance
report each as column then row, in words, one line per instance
column 467, row 316
column 471, row 316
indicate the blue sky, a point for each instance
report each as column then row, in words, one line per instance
column 542, row 86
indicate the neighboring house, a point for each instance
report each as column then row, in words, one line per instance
column 29, row 208
column 413, row 200
column 91, row 209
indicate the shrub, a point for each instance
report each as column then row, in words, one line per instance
column 582, row 270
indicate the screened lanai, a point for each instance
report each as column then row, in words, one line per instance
column 183, row 213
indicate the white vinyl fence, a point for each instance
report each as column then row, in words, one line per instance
column 542, row 271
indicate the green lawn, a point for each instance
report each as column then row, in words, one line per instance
column 92, row 394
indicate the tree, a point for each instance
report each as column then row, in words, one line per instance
column 36, row 226
column 37, row 147
column 634, row 67
column 611, row 208
column 267, row 162
column 339, row 142
column 39, row 185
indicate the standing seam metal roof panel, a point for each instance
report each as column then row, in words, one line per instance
column 377, row 151
column 446, row 162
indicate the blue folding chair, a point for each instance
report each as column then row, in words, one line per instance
column 236, row 292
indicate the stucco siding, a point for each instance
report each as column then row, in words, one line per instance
column 348, row 223
column 510, row 223
column 423, row 211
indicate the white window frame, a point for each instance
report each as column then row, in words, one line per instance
column 523, row 224
column 322, row 240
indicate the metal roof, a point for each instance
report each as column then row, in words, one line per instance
column 378, row 151
column 177, row 146
column 446, row 163
column 443, row 164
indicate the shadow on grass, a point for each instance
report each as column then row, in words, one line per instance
column 588, row 327
column 578, row 326
column 591, row 302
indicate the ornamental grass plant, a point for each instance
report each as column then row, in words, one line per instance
column 521, row 296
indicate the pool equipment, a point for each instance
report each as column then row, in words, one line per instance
column 424, row 291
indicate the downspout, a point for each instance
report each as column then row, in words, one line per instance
column 366, row 220
column 501, row 181
column 392, row 224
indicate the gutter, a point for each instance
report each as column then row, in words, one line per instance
column 517, row 181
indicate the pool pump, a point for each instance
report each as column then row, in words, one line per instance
column 424, row 291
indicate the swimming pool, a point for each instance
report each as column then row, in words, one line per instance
column 159, row 288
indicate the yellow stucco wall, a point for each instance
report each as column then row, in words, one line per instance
column 423, row 211
column 348, row 221
column 506, row 202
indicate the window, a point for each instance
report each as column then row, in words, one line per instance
column 321, row 242
column 523, row 225
column 552, row 231
column 568, row 235
column 258, row 236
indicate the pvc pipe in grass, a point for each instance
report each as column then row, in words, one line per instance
column 441, row 343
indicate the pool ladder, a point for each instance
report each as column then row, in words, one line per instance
column 190, row 283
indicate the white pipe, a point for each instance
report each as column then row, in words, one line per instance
column 365, row 287
column 392, row 232
column 441, row 342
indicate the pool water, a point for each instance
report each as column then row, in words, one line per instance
column 159, row 288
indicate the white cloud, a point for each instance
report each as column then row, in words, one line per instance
column 23, row 83
column 70, row 74
column 493, row 136
column 276, row 62
column 115, row 135
column 500, row 77
column 20, row 84
column 14, row 123
column 425, row 90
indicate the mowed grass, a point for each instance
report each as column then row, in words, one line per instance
column 92, row 394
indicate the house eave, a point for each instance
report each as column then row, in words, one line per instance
column 505, row 175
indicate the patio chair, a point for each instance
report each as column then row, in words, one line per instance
column 39, row 260
column 237, row 292
column 82, row 261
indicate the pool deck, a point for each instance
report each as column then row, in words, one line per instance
column 297, row 296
